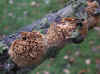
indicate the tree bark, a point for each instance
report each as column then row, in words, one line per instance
column 43, row 23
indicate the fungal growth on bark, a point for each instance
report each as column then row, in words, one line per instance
column 29, row 49
column 93, row 11
column 91, row 7
column 32, row 47
column 61, row 31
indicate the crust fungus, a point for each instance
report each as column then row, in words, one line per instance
column 29, row 49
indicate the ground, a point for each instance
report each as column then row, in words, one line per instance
column 73, row 58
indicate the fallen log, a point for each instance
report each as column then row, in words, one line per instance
column 42, row 24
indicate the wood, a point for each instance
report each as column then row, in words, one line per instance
column 49, row 18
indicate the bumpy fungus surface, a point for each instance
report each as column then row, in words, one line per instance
column 91, row 7
column 29, row 49
column 93, row 11
column 32, row 46
column 61, row 31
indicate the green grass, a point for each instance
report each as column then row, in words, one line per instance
column 9, row 24
column 12, row 15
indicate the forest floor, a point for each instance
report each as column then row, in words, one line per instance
column 73, row 58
